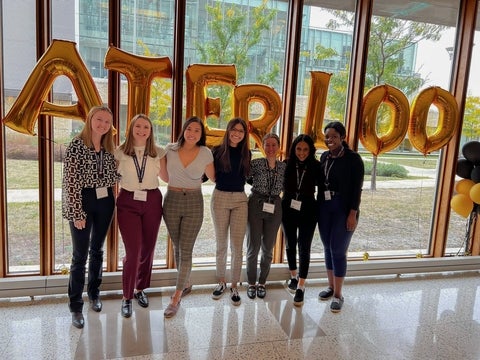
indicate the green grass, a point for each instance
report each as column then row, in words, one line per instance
column 24, row 174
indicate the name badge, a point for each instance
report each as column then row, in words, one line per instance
column 140, row 195
column 327, row 194
column 269, row 208
column 101, row 192
column 295, row 204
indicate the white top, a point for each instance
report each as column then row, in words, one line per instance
column 128, row 170
column 189, row 177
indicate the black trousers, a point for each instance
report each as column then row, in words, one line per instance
column 88, row 243
column 298, row 227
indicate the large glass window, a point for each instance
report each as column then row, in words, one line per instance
column 462, row 220
column 251, row 35
column 19, row 58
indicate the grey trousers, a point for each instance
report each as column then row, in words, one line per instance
column 262, row 234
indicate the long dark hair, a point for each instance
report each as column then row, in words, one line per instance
column 340, row 129
column 292, row 158
column 223, row 150
column 203, row 138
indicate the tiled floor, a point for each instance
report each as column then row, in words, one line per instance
column 431, row 316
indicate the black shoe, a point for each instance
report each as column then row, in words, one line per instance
column 126, row 308
column 326, row 294
column 141, row 298
column 77, row 320
column 96, row 304
column 298, row 299
column 292, row 285
column 252, row 291
column 261, row 291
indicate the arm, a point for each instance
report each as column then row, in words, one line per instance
column 210, row 171
column 163, row 169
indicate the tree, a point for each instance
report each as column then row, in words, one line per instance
column 471, row 118
column 390, row 40
column 234, row 32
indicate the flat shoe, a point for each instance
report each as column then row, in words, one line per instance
column 252, row 291
column 141, row 298
column 96, row 304
column 186, row 291
column 171, row 310
column 261, row 291
column 77, row 320
column 126, row 309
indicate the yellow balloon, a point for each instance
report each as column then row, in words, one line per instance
column 463, row 186
column 398, row 126
column 246, row 94
column 475, row 193
column 462, row 205
column 447, row 119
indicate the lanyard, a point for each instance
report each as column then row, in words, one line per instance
column 271, row 181
column 99, row 160
column 328, row 168
column 140, row 171
column 300, row 179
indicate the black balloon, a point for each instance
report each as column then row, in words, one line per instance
column 475, row 174
column 471, row 152
column 464, row 168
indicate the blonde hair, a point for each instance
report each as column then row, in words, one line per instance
column 86, row 133
column 150, row 147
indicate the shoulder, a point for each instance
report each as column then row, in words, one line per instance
column 171, row 147
column 161, row 152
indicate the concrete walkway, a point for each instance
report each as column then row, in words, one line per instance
column 428, row 179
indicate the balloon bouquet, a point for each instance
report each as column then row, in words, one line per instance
column 466, row 201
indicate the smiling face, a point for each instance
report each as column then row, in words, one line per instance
column 302, row 151
column 235, row 135
column 141, row 131
column 271, row 147
column 333, row 139
column 101, row 123
column 192, row 133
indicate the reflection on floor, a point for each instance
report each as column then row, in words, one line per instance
column 432, row 316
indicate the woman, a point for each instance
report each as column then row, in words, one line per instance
column 89, row 175
column 339, row 194
column 299, row 211
column 187, row 161
column 229, row 204
column 264, row 213
column 139, row 208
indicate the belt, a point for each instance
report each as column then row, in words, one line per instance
column 184, row 190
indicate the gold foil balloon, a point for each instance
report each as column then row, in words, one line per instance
column 447, row 119
column 140, row 72
column 61, row 58
column 244, row 95
column 398, row 125
column 316, row 107
column 461, row 204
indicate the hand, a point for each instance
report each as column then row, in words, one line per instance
column 79, row 224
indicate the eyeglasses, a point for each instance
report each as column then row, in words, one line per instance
column 240, row 131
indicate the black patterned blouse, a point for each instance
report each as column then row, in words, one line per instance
column 264, row 180
column 81, row 170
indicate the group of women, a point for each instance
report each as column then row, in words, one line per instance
column 92, row 167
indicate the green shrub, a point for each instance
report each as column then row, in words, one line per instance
column 386, row 170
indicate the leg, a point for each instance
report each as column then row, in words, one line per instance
column 101, row 222
column 270, row 232
column 129, row 224
column 221, row 219
column 254, row 236
column 152, row 216
column 76, row 282
column 238, row 227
